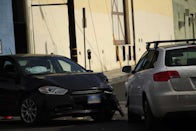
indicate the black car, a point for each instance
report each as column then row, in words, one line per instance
column 42, row 87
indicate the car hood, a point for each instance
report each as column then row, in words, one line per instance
column 76, row 81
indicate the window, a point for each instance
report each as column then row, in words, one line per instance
column 47, row 65
column 36, row 65
column 181, row 57
column 147, row 60
column 65, row 66
column 139, row 65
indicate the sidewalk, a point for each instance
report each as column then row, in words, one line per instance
column 116, row 76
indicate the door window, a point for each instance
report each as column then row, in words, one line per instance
column 147, row 60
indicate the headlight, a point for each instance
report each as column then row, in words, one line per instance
column 52, row 90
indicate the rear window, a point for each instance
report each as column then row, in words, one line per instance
column 181, row 57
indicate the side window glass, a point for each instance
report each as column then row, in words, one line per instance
column 151, row 59
column 68, row 66
column 154, row 59
column 147, row 61
column 140, row 63
column 36, row 66
column 65, row 66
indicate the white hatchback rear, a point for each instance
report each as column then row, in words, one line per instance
column 163, row 81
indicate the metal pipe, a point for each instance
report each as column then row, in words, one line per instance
column 133, row 28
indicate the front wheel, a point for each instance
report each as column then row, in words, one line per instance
column 29, row 111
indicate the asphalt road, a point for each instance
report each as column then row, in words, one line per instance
column 87, row 124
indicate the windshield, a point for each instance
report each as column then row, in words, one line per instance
column 181, row 57
column 48, row 65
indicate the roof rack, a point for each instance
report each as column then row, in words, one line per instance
column 156, row 43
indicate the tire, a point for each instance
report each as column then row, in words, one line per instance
column 148, row 116
column 103, row 115
column 29, row 111
column 132, row 117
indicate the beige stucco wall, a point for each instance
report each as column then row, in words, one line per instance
column 48, row 33
column 48, row 27
column 153, row 21
column 98, row 33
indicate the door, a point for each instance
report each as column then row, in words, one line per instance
column 142, row 75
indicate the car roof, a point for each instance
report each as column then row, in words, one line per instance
column 30, row 55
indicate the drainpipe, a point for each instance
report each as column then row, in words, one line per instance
column 72, row 31
column 133, row 28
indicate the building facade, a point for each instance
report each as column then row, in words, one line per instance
column 115, row 31
column 184, row 18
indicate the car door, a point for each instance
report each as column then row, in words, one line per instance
column 142, row 75
column 8, row 89
column 135, row 85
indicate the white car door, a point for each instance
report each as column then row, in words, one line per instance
column 141, row 78
column 135, row 85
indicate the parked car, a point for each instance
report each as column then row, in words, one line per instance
column 42, row 87
column 163, row 81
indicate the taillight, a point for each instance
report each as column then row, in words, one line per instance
column 165, row 76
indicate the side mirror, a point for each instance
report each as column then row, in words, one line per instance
column 127, row 69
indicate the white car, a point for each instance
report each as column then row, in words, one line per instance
column 163, row 81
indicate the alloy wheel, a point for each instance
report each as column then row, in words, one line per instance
column 28, row 111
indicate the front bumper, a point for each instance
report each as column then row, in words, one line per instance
column 79, row 103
